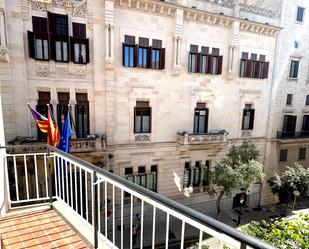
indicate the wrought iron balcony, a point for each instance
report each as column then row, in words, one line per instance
column 96, row 197
column 213, row 137
column 292, row 134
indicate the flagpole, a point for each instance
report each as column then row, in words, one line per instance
column 29, row 121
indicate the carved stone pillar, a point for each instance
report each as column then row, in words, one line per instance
column 4, row 51
column 177, row 41
column 233, row 59
column 109, row 34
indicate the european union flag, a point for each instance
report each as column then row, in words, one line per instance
column 66, row 135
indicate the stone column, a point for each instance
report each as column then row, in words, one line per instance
column 177, row 41
column 4, row 52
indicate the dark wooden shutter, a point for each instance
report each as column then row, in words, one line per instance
column 198, row 63
column 209, row 64
column 135, row 59
column 162, row 58
column 31, row 44
column 123, row 53
column 220, row 61
column 72, row 41
column 257, row 69
column 51, row 22
column 251, row 124
column 87, row 51
column 52, row 49
column 79, row 30
column 265, row 70
column 39, row 25
column 248, row 68
column 149, row 57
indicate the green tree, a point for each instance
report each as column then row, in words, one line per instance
column 284, row 234
column 239, row 169
column 293, row 178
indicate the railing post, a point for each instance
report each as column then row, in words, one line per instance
column 95, row 209
column 50, row 185
column 243, row 245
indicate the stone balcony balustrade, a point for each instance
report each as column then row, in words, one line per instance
column 213, row 137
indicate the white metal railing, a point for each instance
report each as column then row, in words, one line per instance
column 97, row 196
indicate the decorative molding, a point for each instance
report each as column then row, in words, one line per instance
column 246, row 134
column 80, row 72
column 258, row 28
column 288, row 110
column 89, row 20
column 42, row 69
column 79, row 8
column 61, row 68
column 257, row 10
column 4, row 54
column 142, row 138
column 35, row 5
column 25, row 9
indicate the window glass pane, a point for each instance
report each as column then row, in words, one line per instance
column 246, row 122
column 204, row 64
column 196, row 123
column 61, row 26
column 38, row 49
column 137, row 123
column 193, row 62
column 243, row 69
column 146, row 123
column 76, row 52
column 143, row 180
column 196, row 177
column 83, row 53
column 85, row 128
column 206, row 175
column 201, row 128
column 131, row 57
column 58, row 51
column 65, row 51
column 45, row 43
column 126, row 56
column 140, row 57
column 214, row 65
column 186, row 178
column 300, row 14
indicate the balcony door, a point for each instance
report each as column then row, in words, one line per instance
column 289, row 125
column 200, row 118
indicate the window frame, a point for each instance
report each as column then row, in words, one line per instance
column 289, row 99
column 307, row 100
column 145, row 52
column 303, row 15
column 142, row 110
column 302, row 154
column 83, row 106
column 283, row 155
column 195, row 60
column 62, row 41
column 251, row 119
column 296, row 60
column 199, row 109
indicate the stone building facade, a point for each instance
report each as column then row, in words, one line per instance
column 168, row 86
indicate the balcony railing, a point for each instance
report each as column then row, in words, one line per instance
column 185, row 138
column 292, row 134
column 96, row 197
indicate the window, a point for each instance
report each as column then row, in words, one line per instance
column 294, row 68
column 215, row 64
column 200, row 118
column 253, row 68
column 193, row 59
column 82, row 115
column 305, row 127
column 157, row 55
column 142, row 117
column 79, row 44
column 289, row 99
column 44, row 99
column 143, row 178
column 38, row 39
column 62, row 108
column 302, row 154
column 129, row 51
column 283, row 155
column 307, row 100
column 197, row 175
column 300, row 14
column 248, row 118
column 187, row 176
column 59, row 36
column 152, row 178
column 206, row 174
column 155, row 58
column 143, row 51
column 289, row 124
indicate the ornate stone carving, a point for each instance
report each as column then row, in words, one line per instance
column 42, row 70
column 246, row 134
column 79, row 7
column 257, row 10
column 80, row 72
column 190, row 139
column 4, row 54
column 61, row 68
column 25, row 7
column 142, row 138
column 63, row 3
column 38, row 5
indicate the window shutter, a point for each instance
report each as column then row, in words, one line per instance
column 72, row 40
column 162, row 58
column 243, row 118
column 149, row 57
column 150, row 114
column 240, row 65
column 209, row 63
column 265, row 70
column 87, row 51
column 198, row 63
column 257, row 69
column 248, row 68
column 123, row 48
column 252, row 111
column 79, row 30
column 51, row 22
column 52, row 50
column 135, row 56
column 219, row 68
column 293, row 126
column 31, row 44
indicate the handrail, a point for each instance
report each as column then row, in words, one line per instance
column 195, row 215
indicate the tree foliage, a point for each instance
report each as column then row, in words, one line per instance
column 284, row 234
column 293, row 178
column 239, row 169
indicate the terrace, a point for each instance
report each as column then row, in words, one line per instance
column 87, row 209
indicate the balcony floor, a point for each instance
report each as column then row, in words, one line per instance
column 38, row 229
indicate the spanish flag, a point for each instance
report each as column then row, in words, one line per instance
column 53, row 130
